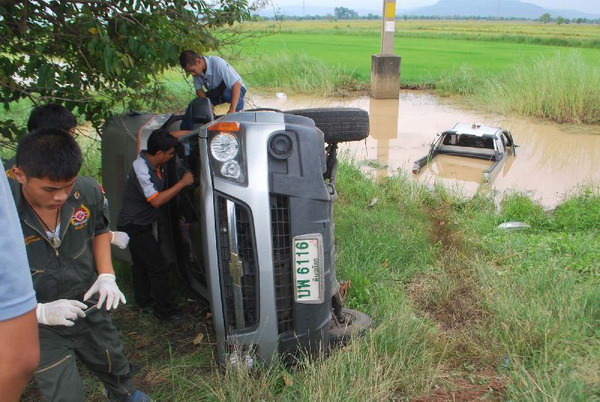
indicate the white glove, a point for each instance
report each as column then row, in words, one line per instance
column 60, row 312
column 106, row 286
column 120, row 239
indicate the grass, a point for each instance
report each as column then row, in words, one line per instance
column 430, row 52
column 544, row 81
column 298, row 72
column 460, row 309
column 570, row 35
column 520, row 68
column 560, row 87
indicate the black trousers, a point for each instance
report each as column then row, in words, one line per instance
column 150, row 271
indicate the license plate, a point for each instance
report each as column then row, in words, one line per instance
column 308, row 268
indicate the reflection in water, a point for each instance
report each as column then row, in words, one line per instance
column 383, row 124
column 552, row 159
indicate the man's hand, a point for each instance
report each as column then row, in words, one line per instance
column 187, row 179
column 60, row 312
column 120, row 239
column 106, row 286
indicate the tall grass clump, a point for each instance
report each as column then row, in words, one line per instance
column 463, row 81
column 563, row 88
column 298, row 72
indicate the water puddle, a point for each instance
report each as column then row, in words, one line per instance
column 552, row 160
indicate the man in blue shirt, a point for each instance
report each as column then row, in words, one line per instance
column 20, row 352
column 214, row 79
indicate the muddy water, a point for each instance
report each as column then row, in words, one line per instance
column 552, row 160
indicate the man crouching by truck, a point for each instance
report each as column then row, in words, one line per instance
column 145, row 191
column 68, row 247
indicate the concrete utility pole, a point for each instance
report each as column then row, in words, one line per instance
column 385, row 66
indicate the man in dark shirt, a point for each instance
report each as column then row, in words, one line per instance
column 145, row 191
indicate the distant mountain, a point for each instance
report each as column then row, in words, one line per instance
column 491, row 8
column 462, row 8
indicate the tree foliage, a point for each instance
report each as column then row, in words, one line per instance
column 95, row 56
column 545, row 18
column 343, row 13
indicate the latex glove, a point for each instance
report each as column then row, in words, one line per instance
column 106, row 286
column 120, row 239
column 60, row 312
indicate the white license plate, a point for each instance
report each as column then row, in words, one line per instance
column 308, row 268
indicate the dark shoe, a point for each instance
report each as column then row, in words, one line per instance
column 169, row 317
column 145, row 305
column 135, row 396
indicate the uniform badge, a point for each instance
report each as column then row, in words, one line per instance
column 76, row 194
column 80, row 217
column 10, row 174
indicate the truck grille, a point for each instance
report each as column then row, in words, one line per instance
column 246, row 256
column 282, row 262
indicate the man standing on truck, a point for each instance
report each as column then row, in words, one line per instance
column 214, row 79
column 145, row 191
column 67, row 240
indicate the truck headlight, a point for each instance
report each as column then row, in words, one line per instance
column 231, row 169
column 224, row 147
column 227, row 151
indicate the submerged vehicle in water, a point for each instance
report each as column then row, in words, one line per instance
column 473, row 141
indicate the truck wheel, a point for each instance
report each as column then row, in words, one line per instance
column 339, row 124
column 356, row 324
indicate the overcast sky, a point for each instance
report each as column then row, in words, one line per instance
column 589, row 6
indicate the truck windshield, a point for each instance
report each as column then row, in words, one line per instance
column 470, row 141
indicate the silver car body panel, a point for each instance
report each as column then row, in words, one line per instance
column 256, row 196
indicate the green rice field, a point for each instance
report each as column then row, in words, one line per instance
column 427, row 54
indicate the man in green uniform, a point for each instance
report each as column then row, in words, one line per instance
column 67, row 239
column 53, row 115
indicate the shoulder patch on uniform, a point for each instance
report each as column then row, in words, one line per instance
column 31, row 239
column 10, row 174
column 80, row 217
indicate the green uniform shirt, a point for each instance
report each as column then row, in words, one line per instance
column 67, row 271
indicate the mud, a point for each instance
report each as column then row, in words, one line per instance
column 552, row 160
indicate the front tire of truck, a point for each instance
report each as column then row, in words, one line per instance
column 356, row 324
column 338, row 124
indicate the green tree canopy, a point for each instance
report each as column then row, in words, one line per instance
column 95, row 56
column 545, row 18
column 343, row 13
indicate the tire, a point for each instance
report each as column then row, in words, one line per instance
column 340, row 124
column 341, row 334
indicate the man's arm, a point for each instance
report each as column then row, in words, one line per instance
column 165, row 196
column 19, row 354
column 106, row 283
column 235, row 96
column 200, row 93
column 101, row 251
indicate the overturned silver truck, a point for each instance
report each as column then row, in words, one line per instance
column 254, row 235
column 473, row 141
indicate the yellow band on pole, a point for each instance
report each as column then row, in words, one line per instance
column 390, row 10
